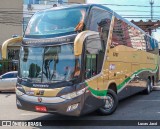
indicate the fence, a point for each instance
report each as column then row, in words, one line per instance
column 8, row 65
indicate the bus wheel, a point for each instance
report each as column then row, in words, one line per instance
column 111, row 103
column 149, row 87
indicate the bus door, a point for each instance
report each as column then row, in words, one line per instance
column 94, row 57
column 88, row 44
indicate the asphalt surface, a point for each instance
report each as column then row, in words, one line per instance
column 137, row 107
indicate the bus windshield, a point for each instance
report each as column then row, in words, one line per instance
column 56, row 21
column 49, row 64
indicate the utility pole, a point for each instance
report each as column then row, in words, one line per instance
column 151, row 3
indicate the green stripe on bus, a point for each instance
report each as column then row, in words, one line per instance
column 130, row 78
column 98, row 92
column 123, row 83
column 104, row 92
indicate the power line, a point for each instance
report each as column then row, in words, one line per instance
column 137, row 15
column 154, row 18
column 31, row 13
column 135, row 11
column 7, row 15
column 128, row 5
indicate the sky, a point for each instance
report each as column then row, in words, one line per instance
column 143, row 13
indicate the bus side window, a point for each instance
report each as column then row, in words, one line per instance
column 120, row 33
column 94, row 55
column 150, row 44
column 126, row 35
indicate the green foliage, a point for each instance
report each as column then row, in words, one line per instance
column 6, row 66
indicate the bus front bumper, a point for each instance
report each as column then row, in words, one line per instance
column 56, row 105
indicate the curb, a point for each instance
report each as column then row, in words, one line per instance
column 156, row 88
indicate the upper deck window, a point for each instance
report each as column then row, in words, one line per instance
column 99, row 18
column 100, row 21
column 127, row 35
column 56, row 21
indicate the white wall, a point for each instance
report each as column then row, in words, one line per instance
column 11, row 28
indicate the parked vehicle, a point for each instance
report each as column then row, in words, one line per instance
column 8, row 81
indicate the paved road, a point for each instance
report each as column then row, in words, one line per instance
column 137, row 107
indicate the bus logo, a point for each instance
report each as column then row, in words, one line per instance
column 39, row 99
column 40, row 92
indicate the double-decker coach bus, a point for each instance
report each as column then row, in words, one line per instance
column 76, row 59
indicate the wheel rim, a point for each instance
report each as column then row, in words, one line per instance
column 109, row 102
column 151, row 84
column 149, row 87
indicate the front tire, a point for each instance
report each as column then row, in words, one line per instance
column 111, row 103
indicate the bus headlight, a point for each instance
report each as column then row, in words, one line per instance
column 19, row 88
column 19, row 93
column 73, row 94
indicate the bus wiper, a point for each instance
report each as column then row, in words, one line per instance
column 56, row 80
column 26, row 78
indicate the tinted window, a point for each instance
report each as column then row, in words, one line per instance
column 15, row 75
column 137, row 39
column 49, row 64
column 31, row 60
column 99, row 17
column 9, row 75
column 149, row 43
column 120, row 33
column 56, row 21
column 124, row 34
column 100, row 21
column 60, row 63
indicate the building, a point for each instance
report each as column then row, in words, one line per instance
column 10, row 20
column 77, row 1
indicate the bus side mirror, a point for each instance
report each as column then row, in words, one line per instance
column 6, row 43
column 79, row 41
